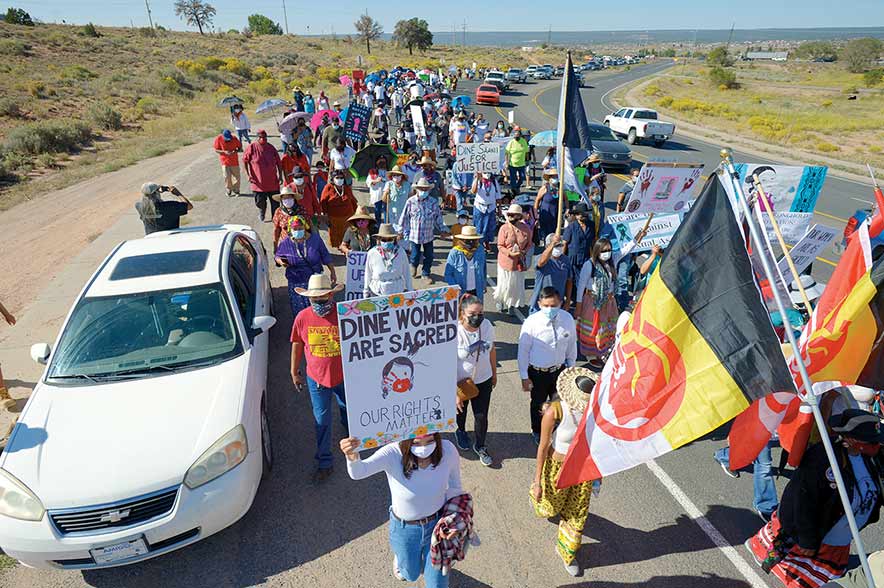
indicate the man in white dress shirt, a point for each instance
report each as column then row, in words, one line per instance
column 547, row 345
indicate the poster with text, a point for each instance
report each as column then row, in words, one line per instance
column 627, row 225
column 400, row 364
column 806, row 250
column 417, row 119
column 664, row 187
column 356, row 125
column 477, row 158
column 355, row 274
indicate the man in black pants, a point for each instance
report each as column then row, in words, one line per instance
column 547, row 345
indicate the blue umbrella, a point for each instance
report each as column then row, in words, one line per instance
column 372, row 77
column 344, row 112
column 462, row 101
column 544, row 139
column 269, row 105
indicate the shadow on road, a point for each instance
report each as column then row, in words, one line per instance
column 706, row 581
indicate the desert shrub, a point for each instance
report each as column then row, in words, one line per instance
column 267, row 87
column 851, row 90
column 46, row 137
column 653, row 90
column 13, row 47
column 147, row 32
column 262, row 73
column 873, row 77
column 665, row 102
column 9, row 107
column 6, row 173
column 723, row 78
column 36, row 88
column 691, row 105
column 826, row 103
column 171, row 72
column 211, row 62
column 147, row 105
column 190, row 67
column 77, row 72
column 46, row 160
column 826, row 147
column 328, row 74
column 767, row 127
column 105, row 116
column 89, row 30
column 236, row 66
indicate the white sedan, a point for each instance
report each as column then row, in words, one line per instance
column 148, row 429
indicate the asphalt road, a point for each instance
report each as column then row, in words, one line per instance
column 676, row 523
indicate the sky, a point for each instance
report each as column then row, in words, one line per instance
column 320, row 17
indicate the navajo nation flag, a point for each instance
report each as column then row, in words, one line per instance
column 698, row 349
column 573, row 135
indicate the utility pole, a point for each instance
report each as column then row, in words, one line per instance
column 465, row 33
column 285, row 17
column 549, row 36
column 730, row 37
column 149, row 17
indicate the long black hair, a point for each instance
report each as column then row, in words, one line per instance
column 409, row 460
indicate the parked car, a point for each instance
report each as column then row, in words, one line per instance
column 488, row 94
column 579, row 76
column 516, row 75
column 497, row 78
column 529, row 71
column 611, row 149
column 148, row 429
column 542, row 73
column 640, row 123
column 559, row 71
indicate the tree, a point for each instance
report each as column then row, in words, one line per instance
column 413, row 33
column 725, row 79
column 816, row 50
column 720, row 57
column 19, row 17
column 859, row 54
column 369, row 29
column 873, row 77
column 261, row 25
column 195, row 13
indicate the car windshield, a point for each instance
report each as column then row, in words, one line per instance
column 492, row 89
column 645, row 114
column 601, row 133
column 514, row 70
column 136, row 334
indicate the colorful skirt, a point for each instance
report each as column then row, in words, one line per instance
column 510, row 290
column 296, row 301
column 571, row 504
column 775, row 553
column 596, row 327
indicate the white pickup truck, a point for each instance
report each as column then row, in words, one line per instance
column 640, row 123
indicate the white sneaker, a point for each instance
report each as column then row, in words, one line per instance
column 573, row 568
column 396, row 573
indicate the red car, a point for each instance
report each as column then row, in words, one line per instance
column 487, row 94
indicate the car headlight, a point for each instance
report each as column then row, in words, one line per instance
column 225, row 454
column 17, row 501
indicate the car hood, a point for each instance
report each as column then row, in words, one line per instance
column 609, row 146
column 84, row 445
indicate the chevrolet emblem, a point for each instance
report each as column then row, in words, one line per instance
column 114, row 516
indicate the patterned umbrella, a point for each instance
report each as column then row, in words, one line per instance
column 544, row 139
column 270, row 105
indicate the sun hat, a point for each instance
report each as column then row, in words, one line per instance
column 858, row 424
column 423, row 184
column 574, row 386
column 594, row 158
column 286, row 190
column 811, row 288
column 386, row 231
column 426, row 161
column 336, row 103
column 396, row 171
column 551, row 171
column 514, row 209
column 319, row 285
column 149, row 188
column 261, row 132
column 468, row 232
column 361, row 214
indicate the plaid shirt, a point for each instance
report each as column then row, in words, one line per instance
column 420, row 219
column 456, row 515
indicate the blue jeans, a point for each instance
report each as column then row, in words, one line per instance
column 415, row 256
column 321, row 398
column 243, row 135
column 517, row 178
column 380, row 211
column 411, row 546
column 461, row 198
column 486, row 224
column 765, row 492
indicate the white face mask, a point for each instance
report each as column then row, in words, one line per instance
column 557, row 252
column 605, row 255
column 288, row 202
column 299, row 181
column 423, row 451
column 339, row 181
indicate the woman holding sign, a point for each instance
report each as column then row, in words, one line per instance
column 423, row 474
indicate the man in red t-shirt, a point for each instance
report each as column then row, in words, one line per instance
column 315, row 337
column 227, row 147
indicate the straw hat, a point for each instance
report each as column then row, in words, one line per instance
column 514, row 209
column 386, row 231
column 286, row 190
column 319, row 285
column 396, row 171
column 423, row 184
column 575, row 385
column 550, row 172
column 468, row 232
column 361, row 214
column 593, row 158
column 426, row 161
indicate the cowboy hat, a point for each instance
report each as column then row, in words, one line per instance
column 858, row 424
column 386, row 231
column 396, row 171
column 286, row 190
column 426, row 161
column 319, row 285
column 550, row 172
column 811, row 288
column 593, row 158
column 463, row 212
column 514, row 209
column 468, row 232
column 575, row 385
column 423, row 184
column 361, row 214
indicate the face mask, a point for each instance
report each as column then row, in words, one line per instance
column 605, row 255
column 549, row 312
column 596, row 199
column 398, row 179
column 321, row 308
column 422, row 194
column 513, row 219
column 461, row 221
column 388, row 245
column 298, row 233
column 362, row 224
column 554, row 182
column 288, row 202
column 558, row 252
column 423, row 451
column 499, row 126
column 475, row 320
column 339, row 181
column 583, row 218
column 299, row 181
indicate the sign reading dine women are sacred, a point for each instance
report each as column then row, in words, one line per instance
column 400, row 364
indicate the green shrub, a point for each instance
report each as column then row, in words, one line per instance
column 36, row 88
column 262, row 73
column 191, row 67
column 236, row 66
column 826, row 103
column 826, row 147
column 89, row 30
column 45, row 137
column 267, row 87
column 147, row 32
column 767, row 127
column 105, row 117
column 19, row 17
column 665, row 102
column 873, row 77
column 147, row 105
column 9, row 107
column 328, row 74
column 77, row 72
column 211, row 62
column 723, row 78
column 13, row 47
column 46, row 160
column 652, row 90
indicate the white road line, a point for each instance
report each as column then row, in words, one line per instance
column 862, row 200
column 746, row 570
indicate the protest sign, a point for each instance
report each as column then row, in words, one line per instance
column 477, row 158
column 417, row 119
column 806, row 250
column 627, row 225
column 355, row 274
column 356, row 125
column 793, row 225
column 664, row 187
column 402, row 158
column 400, row 364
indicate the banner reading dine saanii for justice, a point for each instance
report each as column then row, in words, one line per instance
column 400, row 364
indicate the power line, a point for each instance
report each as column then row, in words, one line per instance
column 285, row 17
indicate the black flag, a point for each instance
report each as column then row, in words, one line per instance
column 574, row 143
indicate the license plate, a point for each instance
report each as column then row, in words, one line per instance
column 119, row 551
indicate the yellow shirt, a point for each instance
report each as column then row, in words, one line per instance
column 517, row 150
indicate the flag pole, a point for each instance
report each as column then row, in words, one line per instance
column 809, row 397
column 560, row 138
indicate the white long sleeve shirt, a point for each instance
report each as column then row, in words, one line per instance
column 425, row 492
column 241, row 122
column 546, row 343
column 381, row 281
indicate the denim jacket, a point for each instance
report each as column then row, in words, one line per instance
column 456, row 269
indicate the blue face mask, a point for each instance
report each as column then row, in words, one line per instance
column 422, row 194
column 298, row 234
column 388, row 245
column 321, row 308
column 550, row 312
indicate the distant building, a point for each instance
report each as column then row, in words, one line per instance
column 766, row 56
column 529, row 48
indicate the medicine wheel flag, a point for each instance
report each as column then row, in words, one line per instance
column 697, row 350
column 573, row 134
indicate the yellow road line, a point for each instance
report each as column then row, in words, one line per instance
column 837, row 218
column 537, row 104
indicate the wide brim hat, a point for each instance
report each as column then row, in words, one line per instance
column 551, row 171
column 813, row 289
column 858, row 424
column 319, row 285
column 514, row 209
column 580, row 207
column 423, row 183
column 361, row 214
column 396, row 171
column 574, row 386
column 286, row 190
column 593, row 158
column 426, row 161
column 468, row 232
column 386, row 231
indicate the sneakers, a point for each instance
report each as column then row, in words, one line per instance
column 320, row 475
column 484, row 458
column 748, row 545
column 6, row 401
column 572, row 568
column 727, row 471
column 414, row 272
column 396, row 573
column 462, row 439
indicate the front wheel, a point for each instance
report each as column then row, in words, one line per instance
column 659, row 143
column 266, row 443
column 632, row 137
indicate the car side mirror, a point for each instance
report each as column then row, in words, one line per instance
column 262, row 324
column 40, row 353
